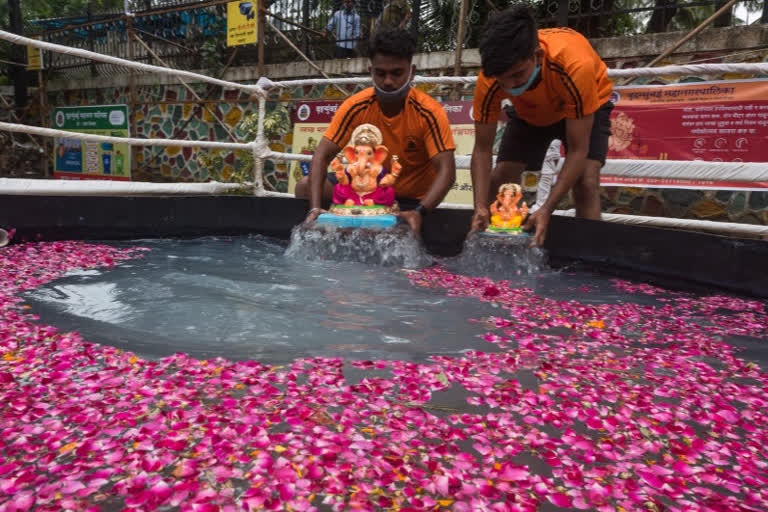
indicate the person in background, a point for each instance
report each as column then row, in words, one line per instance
column 414, row 127
column 345, row 27
column 396, row 13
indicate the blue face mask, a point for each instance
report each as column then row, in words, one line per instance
column 517, row 91
column 398, row 94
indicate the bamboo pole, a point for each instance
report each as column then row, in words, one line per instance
column 190, row 89
column 460, row 37
column 459, row 45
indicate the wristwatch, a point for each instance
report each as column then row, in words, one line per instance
column 422, row 210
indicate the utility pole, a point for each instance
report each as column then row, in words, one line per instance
column 18, row 54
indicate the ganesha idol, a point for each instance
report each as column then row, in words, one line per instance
column 506, row 215
column 364, row 186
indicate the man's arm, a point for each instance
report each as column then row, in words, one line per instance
column 331, row 26
column 445, row 163
column 318, row 171
column 480, row 169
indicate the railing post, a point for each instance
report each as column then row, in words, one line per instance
column 132, row 89
column 562, row 12
column 260, row 35
column 258, row 162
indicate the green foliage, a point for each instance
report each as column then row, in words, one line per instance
column 277, row 123
column 211, row 52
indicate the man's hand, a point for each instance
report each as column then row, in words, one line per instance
column 313, row 214
column 540, row 221
column 480, row 220
column 413, row 218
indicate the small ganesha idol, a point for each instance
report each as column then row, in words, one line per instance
column 506, row 215
column 364, row 186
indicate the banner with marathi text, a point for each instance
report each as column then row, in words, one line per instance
column 711, row 121
column 77, row 159
column 708, row 121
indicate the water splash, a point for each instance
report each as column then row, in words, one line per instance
column 392, row 247
column 498, row 257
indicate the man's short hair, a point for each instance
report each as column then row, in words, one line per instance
column 508, row 38
column 392, row 42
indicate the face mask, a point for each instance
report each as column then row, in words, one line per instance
column 398, row 94
column 517, row 91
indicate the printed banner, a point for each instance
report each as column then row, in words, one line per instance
column 311, row 118
column 87, row 160
column 242, row 22
column 709, row 121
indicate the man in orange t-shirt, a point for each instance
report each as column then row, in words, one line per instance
column 559, row 89
column 413, row 126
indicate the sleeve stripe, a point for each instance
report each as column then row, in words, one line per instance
column 571, row 86
column 434, row 127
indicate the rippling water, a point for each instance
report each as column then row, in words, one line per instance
column 244, row 298
column 260, row 298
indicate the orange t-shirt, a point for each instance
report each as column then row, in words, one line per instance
column 574, row 83
column 415, row 135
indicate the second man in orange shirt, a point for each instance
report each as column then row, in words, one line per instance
column 559, row 88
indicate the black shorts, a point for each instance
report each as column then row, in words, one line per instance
column 523, row 142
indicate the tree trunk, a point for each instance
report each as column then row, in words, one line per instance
column 416, row 15
column 663, row 12
column 724, row 20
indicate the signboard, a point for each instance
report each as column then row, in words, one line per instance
column 81, row 160
column 34, row 58
column 709, row 121
column 311, row 118
column 242, row 22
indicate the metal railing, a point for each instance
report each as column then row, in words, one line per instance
column 191, row 34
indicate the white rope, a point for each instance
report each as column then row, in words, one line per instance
column 730, row 228
column 627, row 169
column 757, row 68
column 21, row 186
column 675, row 173
column 43, row 45
column 365, row 80
column 50, row 132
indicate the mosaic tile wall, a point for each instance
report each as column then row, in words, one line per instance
column 171, row 112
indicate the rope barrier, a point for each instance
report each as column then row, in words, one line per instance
column 680, row 170
column 99, row 57
column 50, row 132
column 264, row 84
column 632, row 169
